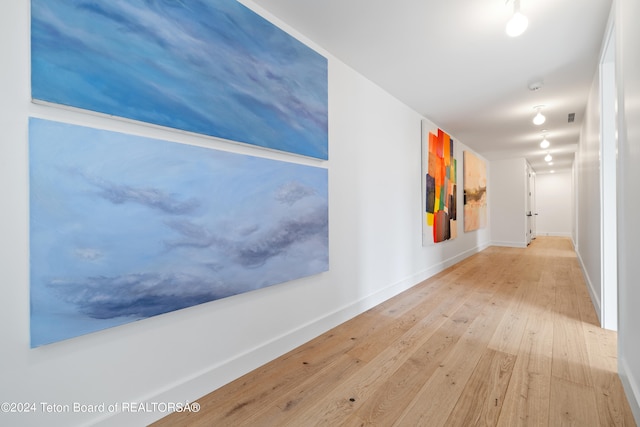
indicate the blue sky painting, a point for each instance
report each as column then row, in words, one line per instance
column 125, row 227
column 212, row 67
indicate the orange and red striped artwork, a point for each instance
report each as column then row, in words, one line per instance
column 439, row 168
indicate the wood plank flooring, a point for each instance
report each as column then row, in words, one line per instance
column 507, row 337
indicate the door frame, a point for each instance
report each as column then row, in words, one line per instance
column 608, row 184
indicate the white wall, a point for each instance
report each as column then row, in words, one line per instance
column 507, row 194
column 554, row 204
column 588, row 217
column 375, row 253
column 588, row 196
column 574, row 200
column 628, row 84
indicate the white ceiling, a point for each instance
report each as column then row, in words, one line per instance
column 452, row 62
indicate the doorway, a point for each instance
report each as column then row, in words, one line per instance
column 531, row 204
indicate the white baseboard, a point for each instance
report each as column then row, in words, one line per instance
column 509, row 244
column 552, row 234
column 595, row 299
column 631, row 388
column 223, row 373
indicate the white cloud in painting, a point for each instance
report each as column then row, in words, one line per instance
column 89, row 254
column 144, row 294
column 150, row 197
column 291, row 192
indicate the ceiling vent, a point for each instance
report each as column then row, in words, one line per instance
column 571, row 118
column 535, row 86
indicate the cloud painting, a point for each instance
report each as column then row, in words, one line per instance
column 207, row 66
column 125, row 227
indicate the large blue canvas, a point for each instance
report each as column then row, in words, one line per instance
column 125, row 227
column 212, row 67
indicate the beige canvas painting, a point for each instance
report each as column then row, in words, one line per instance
column 475, row 192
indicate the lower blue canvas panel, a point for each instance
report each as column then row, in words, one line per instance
column 125, row 227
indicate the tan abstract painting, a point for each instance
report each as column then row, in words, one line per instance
column 475, row 192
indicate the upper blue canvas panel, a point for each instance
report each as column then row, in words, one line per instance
column 212, row 67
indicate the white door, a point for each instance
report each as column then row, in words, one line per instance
column 532, row 201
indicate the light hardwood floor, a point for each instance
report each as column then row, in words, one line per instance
column 507, row 337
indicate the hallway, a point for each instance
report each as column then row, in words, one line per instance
column 506, row 337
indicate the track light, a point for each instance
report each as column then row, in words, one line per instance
column 539, row 118
column 518, row 22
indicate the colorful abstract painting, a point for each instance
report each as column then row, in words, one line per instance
column 475, row 192
column 439, row 168
column 125, row 227
column 212, row 67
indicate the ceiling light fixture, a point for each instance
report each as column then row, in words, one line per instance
column 518, row 22
column 548, row 158
column 539, row 118
column 545, row 142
